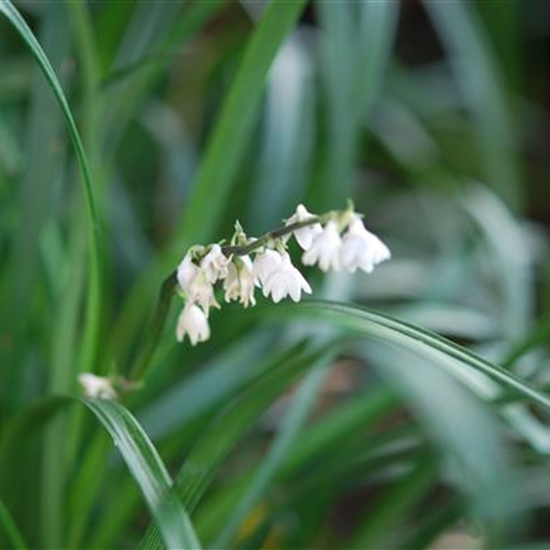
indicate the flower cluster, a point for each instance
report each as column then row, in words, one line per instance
column 334, row 240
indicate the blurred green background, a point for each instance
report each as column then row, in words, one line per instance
column 283, row 433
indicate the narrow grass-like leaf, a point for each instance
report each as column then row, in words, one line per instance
column 235, row 123
column 464, row 429
column 149, row 471
column 513, row 272
column 140, row 455
column 382, row 522
column 367, row 322
column 289, row 431
column 95, row 224
column 477, row 73
column 9, row 529
column 221, row 436
column 356, row 43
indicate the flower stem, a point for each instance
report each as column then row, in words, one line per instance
column 154, row 329
column 271, row 235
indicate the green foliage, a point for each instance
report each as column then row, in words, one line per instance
column 145, row 127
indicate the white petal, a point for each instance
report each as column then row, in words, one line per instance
column 265, row 264
column 325, row 249
column 304, row 235
column 193, row 322
column 214, row 264
column 187, row 271
column 96, row 387
column 362, row 249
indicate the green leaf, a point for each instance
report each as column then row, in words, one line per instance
column 219, row 438
column 9, row 529
column 477, row 72
column 291, row 428
column 385, row 328
column 95, row 223
column 148, row 470
column 236, row 122
column 141, row 457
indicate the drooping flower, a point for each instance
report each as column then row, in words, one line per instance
column 325, row 249
column 304, row 235
column 362, row 249
column 193, row 322
column 286, row 280
column 240, row 281
column 265, row 264
column 202, row 292
column 187, row 272
column 96, row 387
column 215, row 264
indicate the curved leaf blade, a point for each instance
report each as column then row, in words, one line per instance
column 149, row 471
column 386, row 328
column 95, row 222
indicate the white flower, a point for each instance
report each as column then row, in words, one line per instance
column 265, row 264
column 187, row 272
column 214, row 264
column 202, row 292
column 325, row 249
column 286, row 280
column 193, row 322
column 362, row 249
column 193, row 281
column 239, row 283
column 304, row 235
column 97, row 387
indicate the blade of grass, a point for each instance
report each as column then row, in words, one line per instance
column 42, row 129
column 138, row 452
column 235, row 123
column 149, row 471
column 93, row 311
column 290, row 429
column 464, row 428
column 208, row 390
column 503, row 233
column 9, row 529
column 385, row 518
column 222, row 435
column 356, row 42
column 366, row 322
column 288, row 135
column 477, row 73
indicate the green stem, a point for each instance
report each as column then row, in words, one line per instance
column 271, row 235
column 154, row 331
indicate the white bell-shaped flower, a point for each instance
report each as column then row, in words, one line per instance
column 325, row 249
column 240, row 281
column 193, row 282
column 201, row 292
column 96, row 387
column 215, row 264
column 187, row 272
column 193, row 322
column 265, row 264
column 286, row 280
column 304, row 235
column 362, row 249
